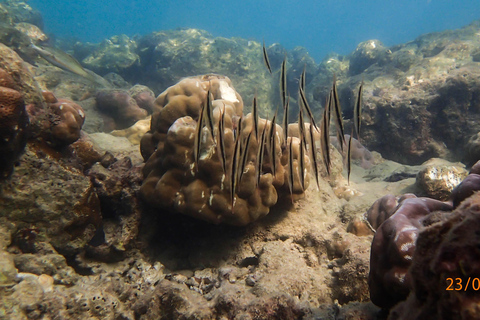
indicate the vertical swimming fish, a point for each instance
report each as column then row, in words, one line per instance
column 238, row 130
column 208, row 115
column 301, row 165
column 234, row 169
column 260, row 152
column 272, row 138
column 313, row 154
column 325, row 136
column 255, row 116
column 265, row 58
column 221, row 139
column 290, row 168
column 301, row 83
column 307, row 107
column 283, row 81
column 301, row 126
column 198, row 137
column 349, row 158
column 285, row 120
column 338, row 115
column 357, row 112
column 245, row 152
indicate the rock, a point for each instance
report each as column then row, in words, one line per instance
column 143, row 96
column 51, row 264
column 438, row 180
column 366, row 54
column 422, row 96
column 61, row 201
column 120, row 106
column 8, row 272
column 350, row 275
column 472, row 147
column 134, row 133
column 116, row 54
column 31, row 31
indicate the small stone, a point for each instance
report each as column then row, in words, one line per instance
column 438, row 181
column 250, row 280
column 46, row 282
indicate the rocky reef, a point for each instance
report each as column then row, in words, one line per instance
column 423, row 93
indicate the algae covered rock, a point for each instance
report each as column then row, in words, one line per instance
column 366, row 54
column 60, row 200
column 168, row 56
column 116, row 54
column 437, row 181
column 422, row 95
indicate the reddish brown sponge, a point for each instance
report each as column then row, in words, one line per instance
column 68, row 121
column 175, row 182
column 13, row 125
column 393, row 247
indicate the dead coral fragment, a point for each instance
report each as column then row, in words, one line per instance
column 176, row 182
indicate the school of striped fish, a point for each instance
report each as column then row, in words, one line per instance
column 266, row 139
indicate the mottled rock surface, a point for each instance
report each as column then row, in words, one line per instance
column 420, row 98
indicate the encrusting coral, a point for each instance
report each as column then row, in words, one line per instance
column 420, row 244
column 186, row 170
column 13, row 124
column 393, row 247
column 68, row 124
column 445, row 266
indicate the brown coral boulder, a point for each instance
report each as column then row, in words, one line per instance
column 184, row 169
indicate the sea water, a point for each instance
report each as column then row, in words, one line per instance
column 321, row 26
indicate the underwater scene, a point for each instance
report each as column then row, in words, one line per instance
column 245, row 160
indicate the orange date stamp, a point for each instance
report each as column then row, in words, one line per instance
column 459, row 284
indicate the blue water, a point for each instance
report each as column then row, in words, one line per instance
column 321, row 26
